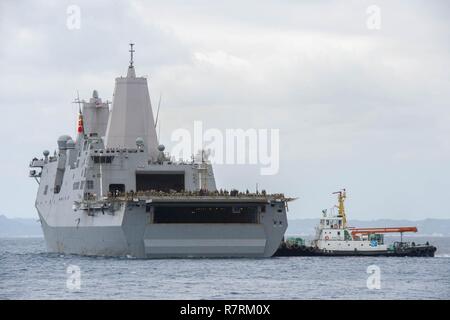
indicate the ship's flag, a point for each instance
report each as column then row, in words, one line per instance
column 80, row 122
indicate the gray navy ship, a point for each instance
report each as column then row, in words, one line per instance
column 114, row 191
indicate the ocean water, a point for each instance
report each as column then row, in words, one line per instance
column 28, row 272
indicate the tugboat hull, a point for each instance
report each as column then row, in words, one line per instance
column 305, row 251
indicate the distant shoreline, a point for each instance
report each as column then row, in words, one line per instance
column 436, row 228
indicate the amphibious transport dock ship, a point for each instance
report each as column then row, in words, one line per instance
column 113, row 191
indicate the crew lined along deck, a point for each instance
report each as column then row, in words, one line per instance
column 202, row 195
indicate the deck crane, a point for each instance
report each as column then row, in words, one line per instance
column 367, row 231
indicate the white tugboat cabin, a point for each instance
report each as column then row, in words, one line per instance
column 333, row 235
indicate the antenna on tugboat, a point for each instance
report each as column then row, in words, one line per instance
column 341, row 209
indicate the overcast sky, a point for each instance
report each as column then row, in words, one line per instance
column 368, row 110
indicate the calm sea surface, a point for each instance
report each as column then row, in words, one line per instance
column 28, row 272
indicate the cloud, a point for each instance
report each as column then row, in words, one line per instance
column 355, row 107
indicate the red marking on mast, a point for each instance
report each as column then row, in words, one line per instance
column 80, row 123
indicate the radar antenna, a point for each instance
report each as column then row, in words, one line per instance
column 131, row 52
column 78, row 101
column 157, row 111
column 159, row 131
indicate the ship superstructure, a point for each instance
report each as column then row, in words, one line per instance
column 114, row 191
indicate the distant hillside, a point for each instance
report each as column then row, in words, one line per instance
column 438, row 227
column 19, row 227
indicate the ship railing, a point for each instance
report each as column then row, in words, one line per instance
column 37, row 163
column 35, row 174
column 114, row 150
column 199, row 194
column 111, row 197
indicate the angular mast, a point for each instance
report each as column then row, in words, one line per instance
column 131, row 115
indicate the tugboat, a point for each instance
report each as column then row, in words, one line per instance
column 334, row 238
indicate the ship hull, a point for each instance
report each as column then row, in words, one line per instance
column 134, row 235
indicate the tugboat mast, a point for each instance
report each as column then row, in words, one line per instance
column 341, row 209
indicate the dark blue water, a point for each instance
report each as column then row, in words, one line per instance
column 28, row 272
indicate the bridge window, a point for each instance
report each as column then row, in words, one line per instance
column 114, row 188
column 191, row 213
column 90, row 184
column 160, row 181
column 102, row 159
